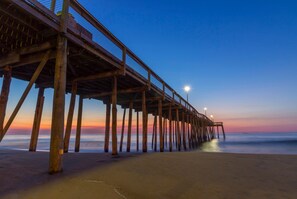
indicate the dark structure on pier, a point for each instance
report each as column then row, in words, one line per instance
column 52, row 50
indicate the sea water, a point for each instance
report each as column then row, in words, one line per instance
column 253, row 143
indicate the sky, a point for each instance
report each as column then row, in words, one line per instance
column 239, row 57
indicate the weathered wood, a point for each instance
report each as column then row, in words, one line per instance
column 137, row 131
column 184, row 131
column 56, row 145
column 223, row 132
column 37, row 120
column 70, row 117
column 218, row 132
column 107, row 127
column 53, row 5
column 4, row 97
column 36, row 52
column 114, row 117
column 170, row 128
column 33, row 58
column 123, row 130
column 164, row 132
column 160, row 126
column 154, row 137
column 124, row 53
column 124, row 91
column 100, row 76
column 57, row 128
column 9, row 59
column 178, row 137
column 144, row 123
column 26, row 92
column 78, row 125
column 129, row 127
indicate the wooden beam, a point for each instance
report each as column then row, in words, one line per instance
column 99, row 76
column 17, row 57
column 107, row 127
column 37, row 120
column 26, row 92
column 78, row 125
column 140, row 100
column 9, row 59
column 123, row 91
column 33, row 58
column 4, row 97
column 129, row 126
column 114, row 117
column 70, row 117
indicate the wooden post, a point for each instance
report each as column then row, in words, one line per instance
column 70, row 117
column 53, row 5
column 175, row 134
column 218, row 132
column 178, row 138
column 37, row 120
column 184, row 131
column 137, row 131
column 165, row 132
column 78, row 125
column 170, row 128
column 57, row 129
column 4, row 97
column 114, row 117
column 153, row 134
column 188, row 130
column 154, row 137
column 107, row 127
column 144, row 123
column 223, row 132
column 26, row 92
column 129, row 126
column 123, row 130
column 160, row 125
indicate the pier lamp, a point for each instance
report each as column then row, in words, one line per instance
column 205, row 109
column 187, row 90
column 211, row 116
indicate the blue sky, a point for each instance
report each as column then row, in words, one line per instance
column 239, row 57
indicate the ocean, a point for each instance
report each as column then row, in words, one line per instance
column 251, row 143
column 254, row 143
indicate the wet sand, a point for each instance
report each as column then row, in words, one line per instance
column 154, row 175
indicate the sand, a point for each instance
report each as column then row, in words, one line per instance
column 154, row 175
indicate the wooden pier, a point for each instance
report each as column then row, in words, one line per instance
column 52, row 49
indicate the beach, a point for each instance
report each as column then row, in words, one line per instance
column 154, row 175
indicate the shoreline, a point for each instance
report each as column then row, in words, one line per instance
column 151, row 175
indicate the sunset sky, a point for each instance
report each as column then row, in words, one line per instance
column 239, row 57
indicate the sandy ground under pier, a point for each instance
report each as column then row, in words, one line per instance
column 155, row 175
